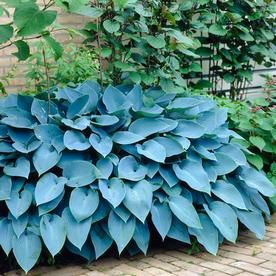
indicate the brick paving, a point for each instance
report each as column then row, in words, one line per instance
column 248, row 257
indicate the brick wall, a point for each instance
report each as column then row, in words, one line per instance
column 7, row 60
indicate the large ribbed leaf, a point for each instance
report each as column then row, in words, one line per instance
column 77, row 232
column 161, row 216
column 80, row 173
column 130, row 169
column 113, row 190
column 184, row 211
column 193, row 174
column 27, row 249
column 257, row 180
column 75, row 140
column 152, row 150
column 20, row 168
column 208, row 235
column 138, row 199
column 53, row 233
column 228, row 193
column 83, row 203
column 224, row 219
column 121, row 232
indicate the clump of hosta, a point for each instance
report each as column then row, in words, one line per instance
column 104, row 164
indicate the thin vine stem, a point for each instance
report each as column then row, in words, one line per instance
column 48, row 83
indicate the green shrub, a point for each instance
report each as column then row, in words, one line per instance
column 256, row 123
column 89, row 169
column 76, row 65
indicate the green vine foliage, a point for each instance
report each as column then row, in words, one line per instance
column 76, row 65
column 103, row 166
column 256, row 123
column 170, row 42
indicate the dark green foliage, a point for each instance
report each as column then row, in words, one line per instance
column 94, row 168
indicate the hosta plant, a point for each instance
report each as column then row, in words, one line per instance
column 91, row 169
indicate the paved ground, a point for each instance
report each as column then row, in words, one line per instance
column 248, row 257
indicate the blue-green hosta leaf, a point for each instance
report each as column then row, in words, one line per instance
column 103, row 145
column 78, row 107
column 128, row 168
column 224, row 164
column 100, row 240
column 113, row 190
column 47, row 132
column 189, row 129
column 138, row 199
column 147, row 126
column 228, row 193
column 6, row 147
column 184, row 210
column 75, row 140
column 254, row 221
column 213, row 119
column 24, row 140
column 208, row 235
column 83, row 203
column 78, row 124
column 152, row 150
column 114, row 100
column 121, row 232
column 73, row 228
column 153, row 168
column 48, row 188
column 20, row 168
column 234, row 152
column 104, row 120
column 183, row 103
column 27, row 249
column 80, row 173
column 20, row 119
column 45, row 158
column 19, row 225
column 169, row 176
column 183, row 141
column 172, row 146
column 105, row 166
column 256, row 180
column 126, row 137
column 40, row 108
column 204, row 153
column 7, row 235
column 142, row 236
column 49, row 206
column 53, row 233
column 151, row 111
column 179, row 231
column 193, row 174
column 5, row 187
column 86, row 252
column 122, row 212
column 20, row 202
column 224, row 218
column 161, row 216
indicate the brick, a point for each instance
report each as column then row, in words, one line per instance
column 215, row 273
column 184, row 257
column 246, row 274
column 247, row 251
column 162, row 265
column 191, row 267
column 221, row 267
column 124, row 269
column 68, row 271
column 94, row 273
column 138, row 264
column 240, row 257
column 253, row 268
column 212, row 258
column 156, row 271
column 165, row 257
column 270, row 265
column 186, row 273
